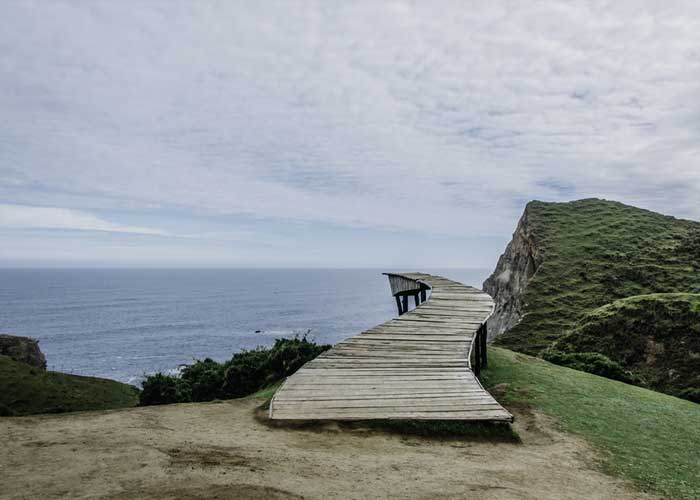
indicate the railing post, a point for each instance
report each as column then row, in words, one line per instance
column 404, row 299
column 484, row 336
column 398, row 304
column 477, row 354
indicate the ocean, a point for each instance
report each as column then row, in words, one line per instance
column 124, row 324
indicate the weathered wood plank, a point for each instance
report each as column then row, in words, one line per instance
column 413, row 367
column 355, row 414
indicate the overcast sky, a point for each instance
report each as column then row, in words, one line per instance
column 367, row 134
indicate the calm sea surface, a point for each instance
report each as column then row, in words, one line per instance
column 122, row 324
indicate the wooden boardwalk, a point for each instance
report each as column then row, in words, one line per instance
column 414, row 367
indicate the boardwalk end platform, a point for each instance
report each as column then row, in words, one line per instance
column 414, row 367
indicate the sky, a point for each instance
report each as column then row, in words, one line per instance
column 333, row 134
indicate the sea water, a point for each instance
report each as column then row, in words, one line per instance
column 123, row 324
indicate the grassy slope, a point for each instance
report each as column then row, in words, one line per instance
column 27, row 390
column 655, row 336
column 648, row 437
column 597, row 251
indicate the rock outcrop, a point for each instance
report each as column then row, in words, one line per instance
column 22, row 349
column 568, row 259
column 506, row 285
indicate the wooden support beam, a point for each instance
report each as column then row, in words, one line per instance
column 484, row 360
column 404, row 299
column 477, row 355
column 423, row 295
column 416, row 299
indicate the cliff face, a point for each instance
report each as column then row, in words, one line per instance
column 515, row 268
column 567, row 259
column 22, row 349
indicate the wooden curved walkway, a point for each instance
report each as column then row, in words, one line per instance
column 414, row 367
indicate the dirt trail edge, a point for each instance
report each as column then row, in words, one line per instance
column 221, row 451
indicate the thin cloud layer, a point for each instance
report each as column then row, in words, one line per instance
column 27, row 217
column 387, row 117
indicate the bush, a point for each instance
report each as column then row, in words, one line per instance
column 206, row 380
column 288, row 355
column 245, row 373
column 690, row 245
column 250, row 371
column 591, row 362
column 691, row 394
column 160, row 389
column 6, row 411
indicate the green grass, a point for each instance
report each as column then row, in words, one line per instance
column 656, row 337
column 593, row 252
column 267, row 392
column 650, row 438
column 26, row 390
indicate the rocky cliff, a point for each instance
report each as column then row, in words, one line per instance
column 515, row 268
column 567, row 259
column 22, row 349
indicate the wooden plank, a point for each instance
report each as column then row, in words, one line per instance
column 413, row 367
column 477, row 415
column 386, row 377
column 381, row 405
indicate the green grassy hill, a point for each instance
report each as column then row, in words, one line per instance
column 656, row 337
column 647, row 437
column 26, row 390
column 593, row 252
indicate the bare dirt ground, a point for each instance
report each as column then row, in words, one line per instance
column 221, row 451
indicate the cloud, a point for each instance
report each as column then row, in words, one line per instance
column 28, row 217
column 388, row 116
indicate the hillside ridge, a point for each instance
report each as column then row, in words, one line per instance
column 566, row 259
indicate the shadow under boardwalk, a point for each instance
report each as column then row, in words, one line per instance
column 414, row 367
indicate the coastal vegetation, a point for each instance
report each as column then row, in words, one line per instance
column 644, row 436
column 656, row 338
column 606, row 288
column 245, row 373
column 614, row 291
column 589, row 253
column 27, row 389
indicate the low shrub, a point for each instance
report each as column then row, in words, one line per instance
column 245, row 373
column 691, row 394
column 161, row 389
column 205, row 379
column 6, row 411
column 690, row 245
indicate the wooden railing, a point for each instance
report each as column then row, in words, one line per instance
column 403, row 287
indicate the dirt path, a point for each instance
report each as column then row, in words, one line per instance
column 220, row 451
